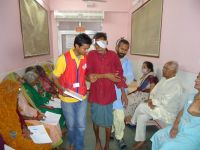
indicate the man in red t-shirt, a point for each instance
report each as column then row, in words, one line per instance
column 104, row 70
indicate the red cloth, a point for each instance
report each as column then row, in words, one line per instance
column 73, row 75
column 103, row 90
column 48, row 85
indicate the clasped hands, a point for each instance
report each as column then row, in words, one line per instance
column 111, row 76
column 150, row 103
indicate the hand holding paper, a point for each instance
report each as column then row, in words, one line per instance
column 73, row 94
column 40, row 135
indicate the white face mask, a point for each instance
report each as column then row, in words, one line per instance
column 102, row 44
column 145, row 71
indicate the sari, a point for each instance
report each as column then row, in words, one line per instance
column 1, row 143
column 10, row 121
column 36, row 100
column 141, row 93
column 34, row 97
column 26, row 110
column 47, row 84
column 48, row 68
column 188, row 134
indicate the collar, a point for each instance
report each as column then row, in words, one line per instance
column 73, row 54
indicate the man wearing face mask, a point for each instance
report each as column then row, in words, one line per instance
column 104, row 71
column 118, row 126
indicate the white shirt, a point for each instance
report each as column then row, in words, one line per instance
column 167, row 96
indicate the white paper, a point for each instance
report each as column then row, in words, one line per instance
column 39, row 134
column 51, row 118
column 55, row 103
column 73, row 94
column 6, row 147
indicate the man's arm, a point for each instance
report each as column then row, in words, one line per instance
column 128, row 72
column 129, row 77
column 124, row 97
column 111, row 76
column 58, row 71
column 150, row 103
column 119, row 70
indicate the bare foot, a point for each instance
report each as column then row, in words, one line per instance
column 98, row 145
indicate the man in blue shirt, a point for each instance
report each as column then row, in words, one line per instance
column 118, row 127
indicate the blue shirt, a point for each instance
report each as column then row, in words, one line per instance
column 128, row 74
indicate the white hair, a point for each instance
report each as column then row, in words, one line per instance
column 174, row 65
column 30, row 76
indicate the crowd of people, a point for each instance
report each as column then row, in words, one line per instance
column 112, row 106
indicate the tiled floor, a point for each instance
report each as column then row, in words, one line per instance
column 89, row 143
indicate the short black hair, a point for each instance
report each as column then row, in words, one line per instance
column 81, row 39
column 149, row 65
column 99, row 35
column 122, row 40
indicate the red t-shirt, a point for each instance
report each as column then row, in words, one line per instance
column 103, row 90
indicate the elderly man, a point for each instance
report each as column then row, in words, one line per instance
column 163, row 103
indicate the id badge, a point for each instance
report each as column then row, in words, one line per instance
column 76, row 85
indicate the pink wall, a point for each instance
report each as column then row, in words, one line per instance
column 11, row 47
column 115, row 27
column 110, row 5
column 180, row 35
column 179, row 40
column 115, row 23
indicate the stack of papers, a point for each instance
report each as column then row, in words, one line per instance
column 39, row 134
column 55, row 103
column 51, row 118
column 73, row 94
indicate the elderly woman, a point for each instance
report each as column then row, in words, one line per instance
column 11, row 123
column 29, row 115
column 145, row 85
column 37, row 99
column 184, row 133
column 46, row 83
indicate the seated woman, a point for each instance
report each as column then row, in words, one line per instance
column 11, row 127
column 39, row 101
column 31, row 116
column 184, row 133
column 48, row 68
column 146, row 84
column 46, row 83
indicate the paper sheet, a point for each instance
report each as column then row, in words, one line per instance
column 6, row 147
column 39, row 134
column 51, row 118
column 73, row 94
column 56, row 103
